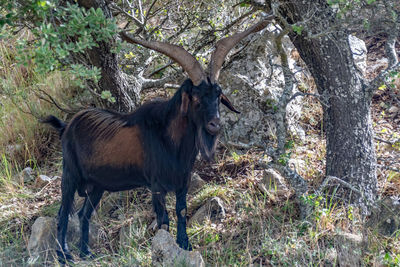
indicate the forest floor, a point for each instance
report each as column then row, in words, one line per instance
column 260, row 227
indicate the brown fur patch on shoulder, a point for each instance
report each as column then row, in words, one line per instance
column 123, row 149
column 102, row 124
column 176, row 129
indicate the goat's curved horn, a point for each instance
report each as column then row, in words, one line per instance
column 176, row 53
column 224, row 45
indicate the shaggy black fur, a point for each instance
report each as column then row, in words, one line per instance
column 155, row 146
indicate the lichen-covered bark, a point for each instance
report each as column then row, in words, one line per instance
column 349, row 133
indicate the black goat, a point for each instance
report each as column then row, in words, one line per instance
column 155, row 146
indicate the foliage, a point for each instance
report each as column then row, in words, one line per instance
column 61, row 35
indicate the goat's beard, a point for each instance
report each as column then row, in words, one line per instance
column 207, row 143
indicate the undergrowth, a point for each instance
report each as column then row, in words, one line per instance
column 24, row 142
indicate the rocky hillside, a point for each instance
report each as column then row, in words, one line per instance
column 239, row 212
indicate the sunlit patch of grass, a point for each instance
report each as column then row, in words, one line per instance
column 25, row 97
column 209, row 191
column 136, row 249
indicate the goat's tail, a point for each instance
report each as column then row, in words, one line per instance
column 56, row 123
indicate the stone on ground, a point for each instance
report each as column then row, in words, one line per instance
column 165, row 252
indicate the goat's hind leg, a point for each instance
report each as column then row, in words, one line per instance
column 67, row 198
column 91, row 201
column 158, row 199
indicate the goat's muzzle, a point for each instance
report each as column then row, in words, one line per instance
column 213, row 126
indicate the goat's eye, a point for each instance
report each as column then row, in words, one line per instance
column 196, row 101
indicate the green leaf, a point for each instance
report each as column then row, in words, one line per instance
column 297, row 29
column 105, row 94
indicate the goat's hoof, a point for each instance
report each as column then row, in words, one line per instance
column 87, row 255
column 64, row 257
column 185, row 245
column 165, row 227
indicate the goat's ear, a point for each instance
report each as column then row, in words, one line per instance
column 227, row 103
column 185, row 103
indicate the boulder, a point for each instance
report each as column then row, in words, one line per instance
column 385, row 217
column 349, row 249
column 27, row 175
column 43, row 242
column 165, row 252
column 213, row 210
column 196, row 183
column 273, row 184
column 254, row 83
column 74, row 231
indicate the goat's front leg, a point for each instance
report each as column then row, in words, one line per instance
column 158, row 199
column 181, row 210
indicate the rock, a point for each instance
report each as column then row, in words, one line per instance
column 213, row 210
column 273, row 180
column 349, row 249
column 74, row 231
column 393, row 110
column 254, row 84
column 165, row 252
column 195, row 183
column 273, row 183
column 45, row 178
column 28, row 175
column 297, row 164
column 378, row 65
column 43, row 243
column 385, row 217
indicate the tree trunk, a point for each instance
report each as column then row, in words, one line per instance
column 349, row 134
column 112, row 78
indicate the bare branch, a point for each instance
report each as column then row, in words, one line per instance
column 387, row 141
column 161, row 68
column 342, row 182
column 187, row 61
column 139, row 23
column 51, row 100
column 158, row 83
column 224, row 45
